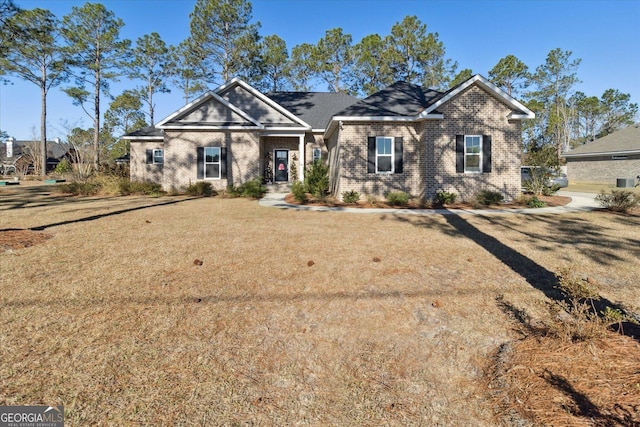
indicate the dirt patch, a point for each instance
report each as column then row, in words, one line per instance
column 552, row 382
column 550, row 201
column 19, row 239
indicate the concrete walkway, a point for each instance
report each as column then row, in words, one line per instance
column 579, row 202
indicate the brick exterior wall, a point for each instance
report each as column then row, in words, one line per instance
column 139, row 170
column 473, row 112
column 271, row 143
column 603, row 169
column 180, row 157
column 429, row 151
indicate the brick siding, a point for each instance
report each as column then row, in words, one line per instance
column 139, row 170
column 602, row 169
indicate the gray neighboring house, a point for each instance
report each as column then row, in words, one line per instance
column 606, row 159
column 402, row 138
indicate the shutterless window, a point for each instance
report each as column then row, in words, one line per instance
column 317, row 154
column 384, row 154
column 212, row 162
column 472, row 153
column 158, row 156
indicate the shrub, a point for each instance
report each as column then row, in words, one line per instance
column 398, row 198
column 534, row 202
column 316, row 179
column 350, row 196
column 63, row 167
column 488, row 198
column 618, row 200
column 299, row 193
column 550, row 191
column 254, row 189
column 201, row 188
column 444, row 198
column 81, row 188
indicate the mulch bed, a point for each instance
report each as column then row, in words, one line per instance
column 20, row 239
column 550, row 201
column 556, row 383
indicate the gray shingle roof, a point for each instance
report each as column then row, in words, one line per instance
column 148, row 131
column 315, row 108
column 399, row 99
column 624, row 140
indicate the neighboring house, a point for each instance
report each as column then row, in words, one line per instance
column 403, row 138
column 606, row 159
column 18, row 155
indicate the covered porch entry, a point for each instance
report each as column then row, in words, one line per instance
column 282, row 158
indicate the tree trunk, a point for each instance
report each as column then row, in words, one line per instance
column 96, row 123
column 43, row 126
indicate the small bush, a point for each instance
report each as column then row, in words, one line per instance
column 201, row 188
column 316, row 179
column 372, row 200
column 488, row 198
column 550, row 191
column 350, row 196
column 398, row 198
column 63, row 167
column 81, row 188
column 444, row 198
column 254, row 189
column 534, row 202
column 299, row 193
column 618, row 200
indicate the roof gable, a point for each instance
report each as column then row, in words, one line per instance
column 519, row 110
column 234, row 105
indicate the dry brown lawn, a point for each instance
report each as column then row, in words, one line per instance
column 178, row 311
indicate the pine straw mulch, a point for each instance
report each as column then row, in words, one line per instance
column 20, row 239
column 550, row 382
column 550, row 201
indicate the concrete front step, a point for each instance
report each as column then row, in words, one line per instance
column 284, row 187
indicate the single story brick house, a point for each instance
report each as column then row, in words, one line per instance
column 606, row 159
column 402, row 138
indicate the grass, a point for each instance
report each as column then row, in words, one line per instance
column 588, row 187
column 318, row 318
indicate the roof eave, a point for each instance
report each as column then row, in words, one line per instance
column 601, row 153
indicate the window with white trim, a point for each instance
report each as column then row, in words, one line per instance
column 212, row 162
column 384, row 154
column 158, row 156
column 473, row 153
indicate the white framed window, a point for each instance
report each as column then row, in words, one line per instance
column 158, row 156
column 212, row 162
column 384, row 154
column 473, row 153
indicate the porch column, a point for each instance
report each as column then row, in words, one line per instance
column 301, row 161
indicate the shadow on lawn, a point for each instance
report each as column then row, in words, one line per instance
column 535, row 274
column 102, row 215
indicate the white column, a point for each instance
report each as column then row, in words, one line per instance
column 301, row 161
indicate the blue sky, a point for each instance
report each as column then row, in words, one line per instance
column 476, row 34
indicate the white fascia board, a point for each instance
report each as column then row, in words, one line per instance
column 184, row 109
column 143, row 138
column 282, row 132
column 374, row 118
column 237, row 81
column 196, row 127
column 504, row 96
column 602, row 153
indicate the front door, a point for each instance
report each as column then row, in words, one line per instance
column 282, row 165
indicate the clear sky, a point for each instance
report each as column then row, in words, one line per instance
column 477, row 34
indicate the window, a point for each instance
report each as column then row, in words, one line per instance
column 317, row 154
column 212, row 162
column 158, row 156
column 472, row 153
column 384, row 154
